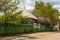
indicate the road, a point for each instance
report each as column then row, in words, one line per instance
column 36, row 36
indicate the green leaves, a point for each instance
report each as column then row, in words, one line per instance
column 45, row 10
column 8, row 5
column 12, row 18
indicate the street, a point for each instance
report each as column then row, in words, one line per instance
column 35, row 36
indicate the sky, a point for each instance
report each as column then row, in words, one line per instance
column 29, row 4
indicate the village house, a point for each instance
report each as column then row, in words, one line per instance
column 30, row 18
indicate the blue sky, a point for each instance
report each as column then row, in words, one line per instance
column 29, row 4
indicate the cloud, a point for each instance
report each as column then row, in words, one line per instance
column 28, row 1
column 29, row 4
column 28, row 7
column 56, row 6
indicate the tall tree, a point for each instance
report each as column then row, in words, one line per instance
column 8, row 5
column 45, row 10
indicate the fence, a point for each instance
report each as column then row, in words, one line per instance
column 23, row 28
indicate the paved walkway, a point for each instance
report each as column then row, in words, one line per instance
column 36, row 36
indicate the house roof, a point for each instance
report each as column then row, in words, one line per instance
column 25, row 13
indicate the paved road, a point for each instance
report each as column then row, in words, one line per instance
column 36, row 36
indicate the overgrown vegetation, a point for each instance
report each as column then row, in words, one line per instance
column 46, row 10
column 7, row 7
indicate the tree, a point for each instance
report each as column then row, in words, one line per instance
column 45, row 10
column 8, row 5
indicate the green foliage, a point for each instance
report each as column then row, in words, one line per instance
column 12, row 18
column 45, row 10
column 8, row 5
